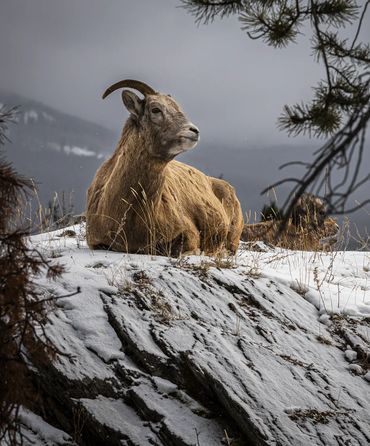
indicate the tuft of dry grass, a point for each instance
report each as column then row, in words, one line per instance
column 317, row 416
column 299, row 287
column 142, row 288
column 23, row 308
column 324, row 340
column 308, row 229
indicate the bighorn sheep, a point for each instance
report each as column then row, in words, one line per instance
column 142, row 201
column 309, row 228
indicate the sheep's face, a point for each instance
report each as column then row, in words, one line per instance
column 309, row 211
column 162, row 120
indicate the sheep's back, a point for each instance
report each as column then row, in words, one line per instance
column 209, row 203
column 191, row 190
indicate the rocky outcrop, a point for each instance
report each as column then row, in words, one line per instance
column 197, row 352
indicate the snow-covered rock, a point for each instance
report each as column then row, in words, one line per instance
column 350, row 355
column 206, row 351
column 35, row 431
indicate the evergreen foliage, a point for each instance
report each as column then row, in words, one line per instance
column 271, row 212
column 23, row 308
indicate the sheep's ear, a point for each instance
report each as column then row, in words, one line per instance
column 132, row 102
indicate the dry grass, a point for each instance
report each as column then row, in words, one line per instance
column 40, row 218
column 317, row 416
column 308, row 229
column 299, row 287
column 143, row 289
column 293, row 237
column 323, row 340
column 79, row 420
column 202, row 268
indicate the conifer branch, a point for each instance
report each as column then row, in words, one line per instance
column 343, row 96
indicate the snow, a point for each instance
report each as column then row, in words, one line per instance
column 119, row 417
column 336, row 283
column 79, row 151
column 74, row 150
column 357, row 369
column 30, row 116
column 36, row 431
column 277, row 337
column 350, row 355
column 48, row 117
column 175, row 415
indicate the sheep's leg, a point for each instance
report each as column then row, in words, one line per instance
column 227, row 196
column 186, row 243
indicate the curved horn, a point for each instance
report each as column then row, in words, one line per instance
column 130, row 83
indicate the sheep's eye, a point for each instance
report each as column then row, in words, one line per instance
column 156, row 110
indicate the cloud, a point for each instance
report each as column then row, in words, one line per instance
column 65, row 53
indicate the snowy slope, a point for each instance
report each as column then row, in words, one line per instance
column 269, row 348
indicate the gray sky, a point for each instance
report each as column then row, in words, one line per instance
column 66, row 52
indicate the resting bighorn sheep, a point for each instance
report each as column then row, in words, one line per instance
column 309, row 228
column 142, row 201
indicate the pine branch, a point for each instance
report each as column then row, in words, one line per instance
column 337, row 153
column 7, row 116
column 205, row 11
column 335, row 12
column 276, row 26
column 342, row 96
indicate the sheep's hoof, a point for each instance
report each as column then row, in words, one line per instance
column 101, row 247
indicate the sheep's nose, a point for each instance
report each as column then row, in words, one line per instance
column 194, row 129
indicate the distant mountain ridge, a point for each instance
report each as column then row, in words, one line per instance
column 71, row 134
column 58, row 151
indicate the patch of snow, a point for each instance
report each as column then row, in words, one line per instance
column 336, row 283
column 350, row 355
column 48, row 117
column 70, row 328
column 36, row 431
column 175, row 417
column 355, row 368
column 121, row 418
column 78, row 151
column 30, row 116
column 325, row 319
column 164, row 386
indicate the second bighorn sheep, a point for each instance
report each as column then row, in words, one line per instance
column 309, row 227
column 143, row 201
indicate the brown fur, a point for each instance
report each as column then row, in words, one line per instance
column 308, row 229
column 309, row 211
column 141, row 200
column 293, row 237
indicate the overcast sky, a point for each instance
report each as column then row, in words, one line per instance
column 66, row 52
